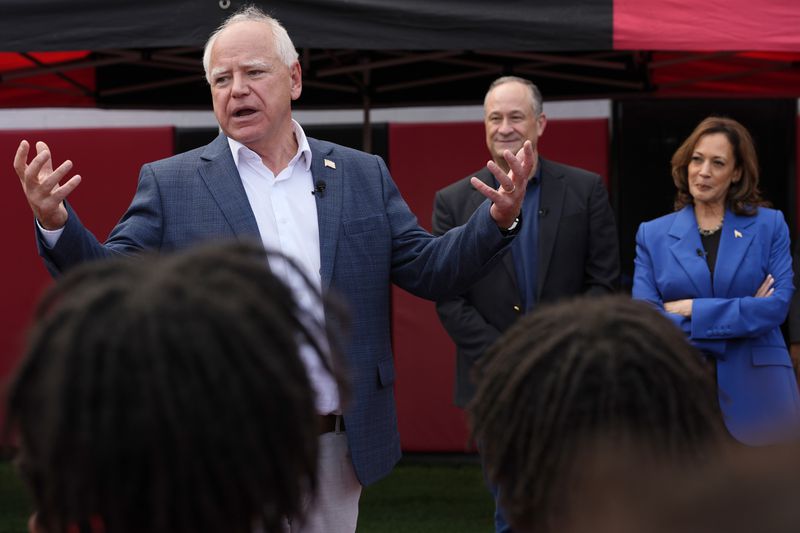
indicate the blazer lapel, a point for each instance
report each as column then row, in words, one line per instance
column 219, row 173
column 688, row 250
column 551, row 202
column 475, row 200
column 733, row 245
column 327, row 168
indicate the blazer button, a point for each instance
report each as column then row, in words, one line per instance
column 516, row 308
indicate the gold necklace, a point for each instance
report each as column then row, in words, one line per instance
column 712, row 231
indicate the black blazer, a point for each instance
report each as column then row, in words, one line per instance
column 578, row 253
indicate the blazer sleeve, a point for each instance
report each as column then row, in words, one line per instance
column 602, row 261
column 438, row 267
column 140, row 228
column 748, row 316
column 462, row 321
column 646, row 288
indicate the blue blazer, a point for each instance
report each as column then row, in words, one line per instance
column 368, row 239
column 758, row 392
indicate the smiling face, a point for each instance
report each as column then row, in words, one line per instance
column 712, row 169
column 252, row 89
column 510, row 120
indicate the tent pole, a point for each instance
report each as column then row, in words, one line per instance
column 366, row 129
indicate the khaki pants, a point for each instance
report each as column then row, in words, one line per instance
column 334, row 509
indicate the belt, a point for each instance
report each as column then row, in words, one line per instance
column 327, row 423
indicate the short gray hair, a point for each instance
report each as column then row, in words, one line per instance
column 283, row 43
column 536, row 96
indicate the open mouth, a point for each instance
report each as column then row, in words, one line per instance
column 244, row 112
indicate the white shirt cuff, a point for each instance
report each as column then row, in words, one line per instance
column 50, row 237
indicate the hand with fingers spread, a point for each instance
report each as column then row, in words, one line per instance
column 42, row 186
column 507, row 198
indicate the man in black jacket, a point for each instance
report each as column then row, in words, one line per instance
column 567, row 244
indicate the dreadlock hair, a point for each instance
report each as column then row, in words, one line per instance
column 606, row 370
column 166, row 394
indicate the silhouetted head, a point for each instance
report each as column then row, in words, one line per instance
column 606, row 370
column 166, row 395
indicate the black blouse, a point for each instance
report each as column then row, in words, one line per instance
column 711, row 245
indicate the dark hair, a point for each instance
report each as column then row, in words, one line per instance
column 744, row 196
column 166, row 394
column 589, row 370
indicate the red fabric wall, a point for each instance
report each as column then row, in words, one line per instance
column 108, row 160
column 423, row 158
column 715, row 25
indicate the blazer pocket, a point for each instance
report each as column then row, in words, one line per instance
column 770, row 355
column 386, row 371
column 362, row 225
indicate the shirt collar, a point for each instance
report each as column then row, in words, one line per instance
column 303, row 154
column 537, row 176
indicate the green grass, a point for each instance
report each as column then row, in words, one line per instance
column 420, row 496
column 429, row 497
column 14, row 504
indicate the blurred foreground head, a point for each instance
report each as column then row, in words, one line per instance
column 579, row 376
column 166, row 394
column 741, row 490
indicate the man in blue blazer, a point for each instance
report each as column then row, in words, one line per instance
column 334, row 210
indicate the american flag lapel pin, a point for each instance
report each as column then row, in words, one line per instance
column 329, row 164
column 737, row 234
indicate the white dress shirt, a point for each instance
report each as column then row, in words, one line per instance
column 286, row 214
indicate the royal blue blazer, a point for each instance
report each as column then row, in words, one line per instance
column 758, row 392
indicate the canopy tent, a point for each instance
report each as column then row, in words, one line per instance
column 546, row 25
column 369, row 53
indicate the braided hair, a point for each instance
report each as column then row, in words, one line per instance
column 166, row 394
column 604, row 370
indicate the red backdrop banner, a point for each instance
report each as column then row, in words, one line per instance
column 108, row 160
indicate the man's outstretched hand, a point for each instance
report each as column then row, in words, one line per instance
column 41, row 184
column 507, row 198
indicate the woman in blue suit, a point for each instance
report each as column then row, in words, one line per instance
column 720, row 267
